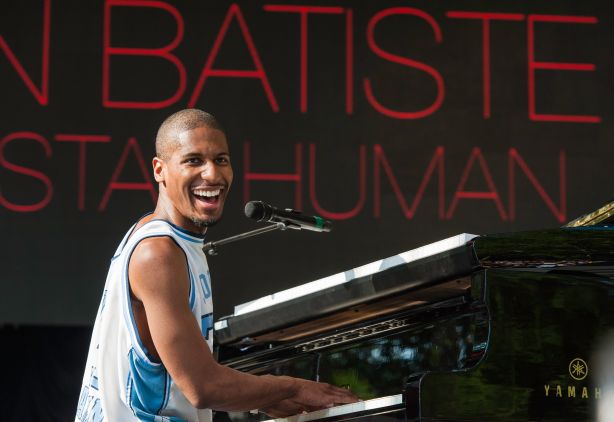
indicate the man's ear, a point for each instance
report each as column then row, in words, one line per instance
column 158, row 169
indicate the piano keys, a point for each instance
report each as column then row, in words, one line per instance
column 472, row 328
column 374, row 407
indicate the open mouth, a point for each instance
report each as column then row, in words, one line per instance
column 207, row 196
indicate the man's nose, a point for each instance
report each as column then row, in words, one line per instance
column 210, row 172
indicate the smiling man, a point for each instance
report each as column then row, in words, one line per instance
column 192, row 166
column 150, row 355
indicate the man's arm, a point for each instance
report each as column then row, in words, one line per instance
column 159, row 279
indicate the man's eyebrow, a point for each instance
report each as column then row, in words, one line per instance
column 190, row 155
column 198, row 154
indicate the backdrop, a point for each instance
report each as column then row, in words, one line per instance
column 404, row 122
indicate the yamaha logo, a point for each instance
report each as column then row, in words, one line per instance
column 578, row 369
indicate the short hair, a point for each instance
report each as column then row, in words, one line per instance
column 188, row 119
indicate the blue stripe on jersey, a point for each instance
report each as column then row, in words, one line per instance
column 192, row 290
column 206, row 325
column 199, row 236
column 183, row 236
column 181, row 232
column 148, row 390
column 148, row 387
column 128, row 391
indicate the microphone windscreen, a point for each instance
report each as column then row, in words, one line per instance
column 255, row 210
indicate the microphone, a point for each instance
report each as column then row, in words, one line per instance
column 259, row 211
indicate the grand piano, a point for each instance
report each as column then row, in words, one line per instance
column 505, row 327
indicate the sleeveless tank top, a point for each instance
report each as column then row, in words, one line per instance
column 122, row 382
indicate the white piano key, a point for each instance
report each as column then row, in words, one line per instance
column 345, row 409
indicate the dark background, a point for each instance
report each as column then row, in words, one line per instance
column 56, row 242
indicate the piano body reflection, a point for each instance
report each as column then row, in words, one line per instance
column 511, row 327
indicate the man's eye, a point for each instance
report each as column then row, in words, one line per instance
column 192, row 161
column 222, row 160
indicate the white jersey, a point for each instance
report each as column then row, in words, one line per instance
column 122, row 382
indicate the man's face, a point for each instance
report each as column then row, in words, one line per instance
column 196, row 177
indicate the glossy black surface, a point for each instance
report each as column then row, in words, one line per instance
column 448, row 337
column 565, row 247
column 531, row 339
column 381, row 367
column 540, row 323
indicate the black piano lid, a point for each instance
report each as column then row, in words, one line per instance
column 430, row 264
column 564, row 247
column 583, row 248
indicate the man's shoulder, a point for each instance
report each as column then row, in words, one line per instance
column 157, row 249
column 155, row 265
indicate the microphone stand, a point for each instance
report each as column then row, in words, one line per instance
column 210, row 248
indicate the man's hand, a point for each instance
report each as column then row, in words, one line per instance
column 310, row 396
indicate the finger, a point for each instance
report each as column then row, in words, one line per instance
column 345, row 397
column 342, row 392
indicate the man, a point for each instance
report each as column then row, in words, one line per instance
column 150, row 355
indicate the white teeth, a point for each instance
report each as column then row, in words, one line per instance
column 207, row 193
